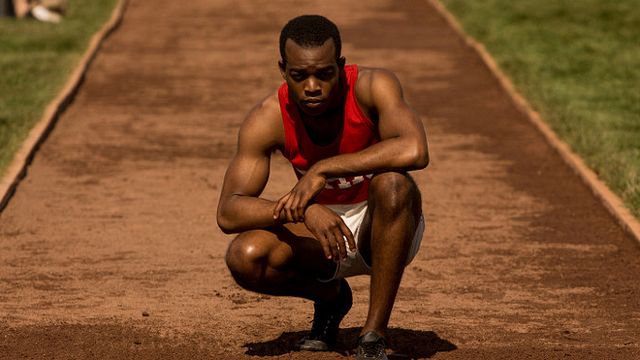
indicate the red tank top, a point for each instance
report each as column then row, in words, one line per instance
column 358, row 132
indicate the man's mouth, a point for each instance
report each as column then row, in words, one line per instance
column 313, row 103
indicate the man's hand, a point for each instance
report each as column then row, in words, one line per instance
column 330, row 230
column 294, row 203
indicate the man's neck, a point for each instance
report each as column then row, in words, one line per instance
column 324, row 129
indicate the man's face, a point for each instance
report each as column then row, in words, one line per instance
column 312, row 74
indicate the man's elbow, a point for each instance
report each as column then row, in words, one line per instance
column 420, row 157
column 225, row 223
column 423, row 159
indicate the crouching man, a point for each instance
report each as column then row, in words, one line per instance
column 351, row 139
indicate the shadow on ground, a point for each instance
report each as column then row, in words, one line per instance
column 404, row 343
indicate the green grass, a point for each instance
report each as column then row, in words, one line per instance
column 35, row 61
column 578, row 64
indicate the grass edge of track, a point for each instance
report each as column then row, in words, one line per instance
column 36, row 61
column 598, row 125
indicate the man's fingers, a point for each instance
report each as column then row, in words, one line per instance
column 295, row 208
column 288, row 214
column 303, row 202
column 349, row 235
column 284, row 209
column 299, row 211
column 293, row 204
column 325, row 246
column 291, row 216
column 336, row 247
column 280, row 205
column 300, row 205
column 333, row 245
column 340, row 244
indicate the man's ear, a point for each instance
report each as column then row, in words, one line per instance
column 283, row 69
column 341, row 62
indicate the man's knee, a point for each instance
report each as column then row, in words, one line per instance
column 247, row 259
column 394, row 192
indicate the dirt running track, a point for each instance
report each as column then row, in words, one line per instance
column 109, row 249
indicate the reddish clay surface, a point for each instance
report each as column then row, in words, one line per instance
column 110, row 250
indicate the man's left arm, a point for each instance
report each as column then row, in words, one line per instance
column 403, row 145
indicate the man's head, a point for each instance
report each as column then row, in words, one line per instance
column 310, row 31
column 311, row 64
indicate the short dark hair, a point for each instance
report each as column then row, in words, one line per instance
column 310, row 31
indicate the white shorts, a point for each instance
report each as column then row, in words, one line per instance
column 353, row 216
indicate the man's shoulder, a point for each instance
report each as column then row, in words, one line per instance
column 266, row 111
column 368, row 74
column 268, row 107
column 264, row 121
column 372, row 79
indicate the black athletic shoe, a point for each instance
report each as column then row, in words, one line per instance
column 326, row 321
column 371, row 346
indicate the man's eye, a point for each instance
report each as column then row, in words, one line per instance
column 324, row 75
column 297, row 76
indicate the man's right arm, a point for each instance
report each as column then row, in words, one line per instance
column 240, row 207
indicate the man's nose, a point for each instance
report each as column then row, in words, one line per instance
column 312, row 87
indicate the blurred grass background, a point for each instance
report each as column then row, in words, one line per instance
column 36, row 60
column 578, row 64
